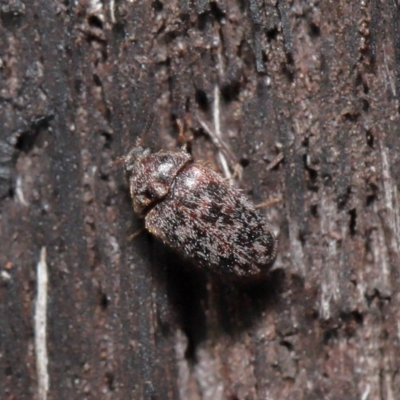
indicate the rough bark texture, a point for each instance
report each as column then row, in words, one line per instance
column 317, row 82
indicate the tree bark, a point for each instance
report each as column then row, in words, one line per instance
column 314, row 82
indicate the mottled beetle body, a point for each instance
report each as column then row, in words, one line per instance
column 196, row 212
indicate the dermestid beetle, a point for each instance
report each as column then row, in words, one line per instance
column 195, row 211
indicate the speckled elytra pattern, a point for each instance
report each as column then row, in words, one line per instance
column 196, row 212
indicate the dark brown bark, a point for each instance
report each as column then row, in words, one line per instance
column 317, row 82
